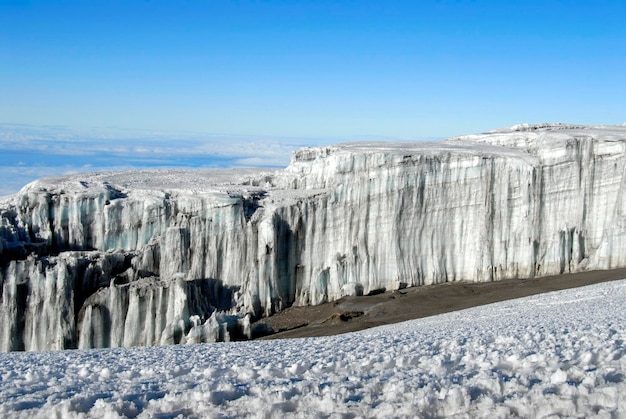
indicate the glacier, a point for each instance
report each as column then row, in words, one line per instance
column 172, row 256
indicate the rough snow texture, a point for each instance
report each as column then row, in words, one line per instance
column 150, row 257
column 554, row 355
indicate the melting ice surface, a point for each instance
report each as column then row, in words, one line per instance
column 560, row 354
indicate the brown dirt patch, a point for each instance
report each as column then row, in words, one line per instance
column 351, row 314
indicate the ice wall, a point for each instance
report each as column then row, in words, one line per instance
column 153, row 257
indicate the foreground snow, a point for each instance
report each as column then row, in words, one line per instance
column 558, row 354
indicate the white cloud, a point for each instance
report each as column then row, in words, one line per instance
column 32, row 152
column 84, row 142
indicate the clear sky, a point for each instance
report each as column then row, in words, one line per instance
column 329, row 69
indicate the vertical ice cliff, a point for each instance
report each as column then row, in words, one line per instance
column 154, row 257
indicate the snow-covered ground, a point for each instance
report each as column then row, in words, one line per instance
column 557, row 354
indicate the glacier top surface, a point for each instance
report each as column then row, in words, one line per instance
column 546, row 126
column 530, row 136
column 182, row 181
column 483, row 143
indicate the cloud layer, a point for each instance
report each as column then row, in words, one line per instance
column 31, row 152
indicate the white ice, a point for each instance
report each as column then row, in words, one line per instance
column 88, row 260
column 553, row 355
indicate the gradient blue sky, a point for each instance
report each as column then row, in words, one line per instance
column 325, row 71
column 319, row 68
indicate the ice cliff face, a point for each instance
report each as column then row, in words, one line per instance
column 153, row 257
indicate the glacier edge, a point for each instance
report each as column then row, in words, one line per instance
column 166, row 256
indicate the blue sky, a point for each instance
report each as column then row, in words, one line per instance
column 292, row 73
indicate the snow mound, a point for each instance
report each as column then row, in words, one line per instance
column 540, row 126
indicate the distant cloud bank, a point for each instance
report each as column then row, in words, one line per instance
column 30, row 152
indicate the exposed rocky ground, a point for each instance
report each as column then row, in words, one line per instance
column 351, row 314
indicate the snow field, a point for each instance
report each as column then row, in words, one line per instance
column 554, row 355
